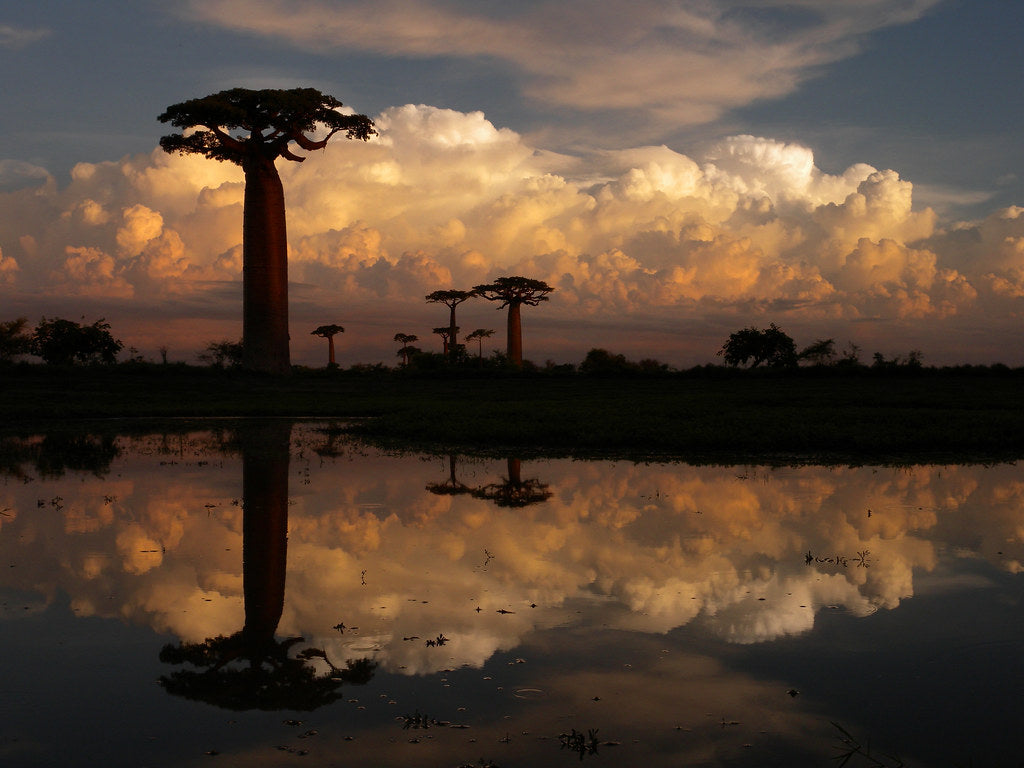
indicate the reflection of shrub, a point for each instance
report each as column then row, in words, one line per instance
column 58, row 453
column 76, row 453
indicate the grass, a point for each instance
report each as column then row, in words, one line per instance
column 959, row 414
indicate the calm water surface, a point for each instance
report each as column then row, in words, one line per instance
column 263, row 593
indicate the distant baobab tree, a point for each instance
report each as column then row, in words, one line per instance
column 479, row 335
column 451, row 299
column 252, row 129
column 328, row 332
column 405, row 339
column 446, row 335
column 513, row 292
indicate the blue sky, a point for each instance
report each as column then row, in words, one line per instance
column 928, row 89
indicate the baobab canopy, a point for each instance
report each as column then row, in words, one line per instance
column 271, row 119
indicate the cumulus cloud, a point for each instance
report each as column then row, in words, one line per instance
column 644, row 237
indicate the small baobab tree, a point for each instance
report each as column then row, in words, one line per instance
column 446, row 336
column 451, row 299
column 406, row 351
column 513, row 292
column 328, row 332
column 252, row 129
column 478, row 336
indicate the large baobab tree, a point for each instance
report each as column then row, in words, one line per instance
column 451, row 299
column 328, row 332
column 513, row 292
column 252, row 129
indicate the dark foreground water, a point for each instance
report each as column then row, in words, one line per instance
column 263, row 593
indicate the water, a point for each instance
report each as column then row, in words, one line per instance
column 460, row 611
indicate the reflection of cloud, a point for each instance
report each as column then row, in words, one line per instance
column 752, row 554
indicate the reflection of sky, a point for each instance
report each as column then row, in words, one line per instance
column 158, row 541
column 657, row 586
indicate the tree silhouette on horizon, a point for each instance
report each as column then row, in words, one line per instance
column 513, row 292
column 252, row 128
column 446, row 338
column 478, row 336
column 451, row 299
column 406, row 351
column 328, row 332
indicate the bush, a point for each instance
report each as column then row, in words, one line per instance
column 65, row 342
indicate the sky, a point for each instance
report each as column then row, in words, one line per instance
column 676, row 170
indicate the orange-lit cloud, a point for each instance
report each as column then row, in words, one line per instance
column 643, row 239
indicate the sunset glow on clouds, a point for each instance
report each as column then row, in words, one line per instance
column 653, row 251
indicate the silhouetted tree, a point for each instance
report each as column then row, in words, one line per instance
column 601, row 361
column 64, row 342
column 513, row 292
column 222, row 354
column 451, row 299
column 850, row 357
column 479, row 335
column 267, row 122
column 912, row 360
column 821, row 352
column 771, row 346
column 329, row 332
column 406, row 351
column 14, row 340
column 446, row 336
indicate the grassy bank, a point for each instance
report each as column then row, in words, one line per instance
column 859, row 415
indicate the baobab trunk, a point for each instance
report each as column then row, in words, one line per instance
column 265, row 459
column 453, row 336
column 330, row 351
column 515, row 335
column 264, row 270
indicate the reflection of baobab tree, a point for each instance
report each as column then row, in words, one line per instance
column 452, row 486
column 253, row 669
column 514, row 492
